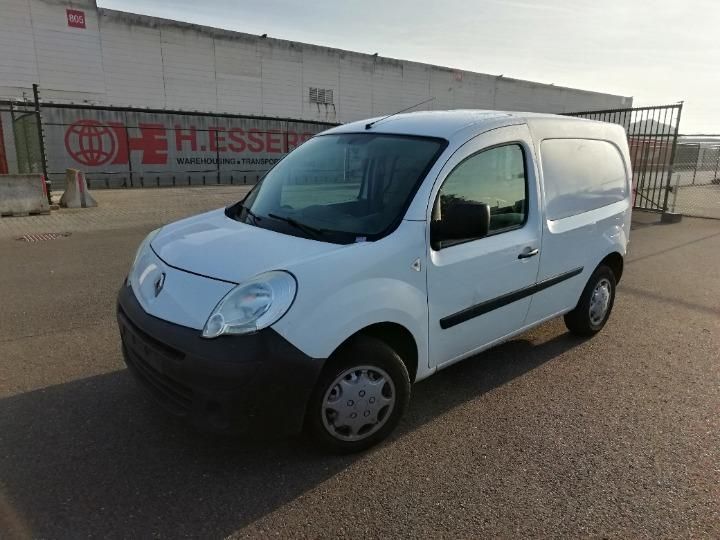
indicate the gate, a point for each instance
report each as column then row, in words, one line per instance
column 27, row 138
column 696, row 176
column 652, row 134
column 24, row 138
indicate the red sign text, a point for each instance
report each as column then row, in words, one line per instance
column 75, row 18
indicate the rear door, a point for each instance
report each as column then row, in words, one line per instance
column 479, row 289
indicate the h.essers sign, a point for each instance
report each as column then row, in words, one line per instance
column 104, row 141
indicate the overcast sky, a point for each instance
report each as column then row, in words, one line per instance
column 658, row 52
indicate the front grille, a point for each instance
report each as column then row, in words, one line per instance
column 166, row 350
column 176, row 396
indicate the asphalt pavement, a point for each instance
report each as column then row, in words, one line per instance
column 545, row 436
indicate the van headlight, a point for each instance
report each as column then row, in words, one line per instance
column 253, row 305
column 140, row 250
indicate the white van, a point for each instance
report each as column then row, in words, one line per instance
column 375, row 254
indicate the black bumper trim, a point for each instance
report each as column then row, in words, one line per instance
column 252, row 383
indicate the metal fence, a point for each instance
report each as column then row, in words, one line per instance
column 26, row 129
column 696, row 176
column 652, row 134
column 129, row 147
column 27, row 137
column 126, row 147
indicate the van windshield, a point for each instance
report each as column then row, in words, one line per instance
column 341, row 188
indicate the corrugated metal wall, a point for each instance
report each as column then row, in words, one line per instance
column 131, row 60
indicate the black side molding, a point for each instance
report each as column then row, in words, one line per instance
column 490, row 305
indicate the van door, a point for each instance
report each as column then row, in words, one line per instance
column 586, row 189
column 479, row 288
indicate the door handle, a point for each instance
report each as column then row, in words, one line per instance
column 528, row 253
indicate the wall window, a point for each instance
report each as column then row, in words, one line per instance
column 495, row 177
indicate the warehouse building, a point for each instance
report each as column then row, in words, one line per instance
column 81, row 54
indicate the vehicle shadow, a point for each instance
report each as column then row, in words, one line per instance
column 96, row 457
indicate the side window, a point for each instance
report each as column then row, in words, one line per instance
column 495, row 177
column 581, row 175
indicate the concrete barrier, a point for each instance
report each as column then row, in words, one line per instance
column 76, row 191
column 23, row 194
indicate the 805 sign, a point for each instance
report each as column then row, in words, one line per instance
column 75, row 18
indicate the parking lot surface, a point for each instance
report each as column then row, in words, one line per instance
column 547, row 435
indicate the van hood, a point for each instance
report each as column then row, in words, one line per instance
column 219, row 247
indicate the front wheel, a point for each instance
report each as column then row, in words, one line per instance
column 595, row 305
column 360, row 396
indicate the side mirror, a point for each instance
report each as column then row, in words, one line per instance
column 461, row 220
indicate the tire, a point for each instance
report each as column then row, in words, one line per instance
column 360, row 378
column 581, row 321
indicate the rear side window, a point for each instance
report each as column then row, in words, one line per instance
column 581, row 175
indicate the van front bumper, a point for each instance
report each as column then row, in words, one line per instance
column 251, row 383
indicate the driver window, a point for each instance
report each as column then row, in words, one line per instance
column 495, row 177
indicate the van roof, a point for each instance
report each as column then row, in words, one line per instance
column 444, row 124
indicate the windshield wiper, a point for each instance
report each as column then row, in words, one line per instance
column 308, row 229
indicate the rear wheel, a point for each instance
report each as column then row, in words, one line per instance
column 360, row 396
column 595, row 305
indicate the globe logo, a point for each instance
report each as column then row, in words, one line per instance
column 90, row 143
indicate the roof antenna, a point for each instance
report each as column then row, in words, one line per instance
column 371, row 124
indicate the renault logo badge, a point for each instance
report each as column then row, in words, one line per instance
column 159, row 283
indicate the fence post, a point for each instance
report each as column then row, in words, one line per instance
column 217, row 154
column 3, row 153
column 129, row 155
column 672, row 158
column 13, row 127
column 41, row 142
column 675, row 191
column 287, row 138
